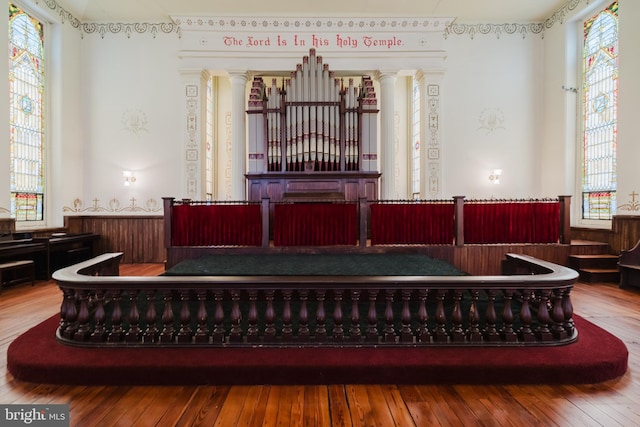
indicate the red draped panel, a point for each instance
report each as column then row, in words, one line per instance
column 216, row 225
column 315, row 224
column 412, row 223
column 511, row 222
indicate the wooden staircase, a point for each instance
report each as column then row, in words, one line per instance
column 594, row 262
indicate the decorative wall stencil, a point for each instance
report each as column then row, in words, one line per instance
column 228, row 148
column 134, row 121
column 191, row 147
column 130, row 28
column 491, row 119
column 498, row 29
column 633, row 205
column 302, row 23
column 433, row 133
column 114, row 206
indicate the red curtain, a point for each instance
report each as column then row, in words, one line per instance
column 412, row 223
column 315, row 224
column 511, row 222
column 216, row 225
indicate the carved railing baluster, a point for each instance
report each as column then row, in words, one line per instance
column 473, row 333
column 184, row 334
column 424, row 334
column 557, row 316
column 269, row 317
column 83, row 330
column 134, row 333
column 218, row 336
column 354, row 329
column 507, row 332
column 542, row 331
column 151, row 333
column 202, row 331
column 567, row 308
column 490, row 332
column 457, row 333
column 321, row 329
column 525, row 333
column 117, row 332
column 440, row 332
column 167, row 334
column 69, row 324
column 389, row 333
column 235, row 334
column 338, row 329
column 303, row 317
column 252, row 319
column 287, row 329
column 372, row 317
column 406, row 335
column 99, row 333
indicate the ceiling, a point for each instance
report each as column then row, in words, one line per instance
column 150, row 11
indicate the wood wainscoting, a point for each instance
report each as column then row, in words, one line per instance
column 623, row 235
column 139, row 238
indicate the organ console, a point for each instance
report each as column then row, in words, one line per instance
column 311, row 134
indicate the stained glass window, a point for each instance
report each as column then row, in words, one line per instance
column 415, row 140
column 600, row 108
column 26, row 120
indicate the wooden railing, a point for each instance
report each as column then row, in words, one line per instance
column 530, row 305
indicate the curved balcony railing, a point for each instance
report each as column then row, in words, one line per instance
column 529, row 304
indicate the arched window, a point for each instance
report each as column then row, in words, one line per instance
column 600, row 108
column 26, row 119
column 415, row 140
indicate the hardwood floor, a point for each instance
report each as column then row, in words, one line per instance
column 608, row 404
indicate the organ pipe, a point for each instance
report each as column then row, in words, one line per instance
column 314, row 122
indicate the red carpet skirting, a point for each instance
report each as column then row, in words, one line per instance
column 37, row 357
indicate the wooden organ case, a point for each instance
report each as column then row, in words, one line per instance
column 312, row 137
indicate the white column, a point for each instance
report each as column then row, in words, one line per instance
column 387, row 134
column 194, row 83
column 238, row 134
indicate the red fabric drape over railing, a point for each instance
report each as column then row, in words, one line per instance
column 216, row 225
column 511, row 222
column 315, row 224
column 412, row 223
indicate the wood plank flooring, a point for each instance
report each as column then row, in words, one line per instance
column 614, row 403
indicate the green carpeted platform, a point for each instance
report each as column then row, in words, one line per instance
column 314, row 265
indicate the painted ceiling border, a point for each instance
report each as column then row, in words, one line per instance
column 470, row 29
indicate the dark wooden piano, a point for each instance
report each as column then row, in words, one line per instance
column 49, row 253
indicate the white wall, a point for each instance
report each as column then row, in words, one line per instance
column 132, row 120
column 492, row 115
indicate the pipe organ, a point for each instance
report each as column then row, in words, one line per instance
column 314, row 132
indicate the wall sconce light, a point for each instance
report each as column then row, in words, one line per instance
column 129, row 178
column 495, row 176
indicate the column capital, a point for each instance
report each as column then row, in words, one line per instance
column 431, row 74
column 388, row 75
column 238, row 76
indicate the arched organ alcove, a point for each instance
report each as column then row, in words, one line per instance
column 312, row 135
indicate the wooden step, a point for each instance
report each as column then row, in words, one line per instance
column 599, row 261
column 587, row 247
column 599, row 275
